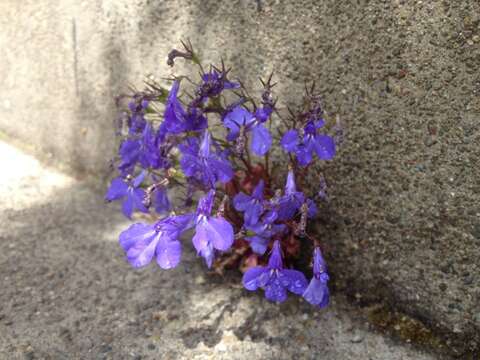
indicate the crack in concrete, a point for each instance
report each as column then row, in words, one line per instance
column 75, row 55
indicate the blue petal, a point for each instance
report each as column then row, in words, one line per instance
column 251, row 278
column 253, row 213
column 317, row 293
column 142, row 252
column 290, row 140
column 209, row 254
column 230, row 85
column 205, row 204
column 138, row 196
column 205, row 145
column 137, row 123
column 191, row 145
column 118, row 189
column 200, row 239
column 319, row 264
column 324, row 147
column 278, row 228
column 274, row 291
column 262, row 114
column 220, row 233
column 289, row 205
column 202, row 243
column 258, row 191
column 189, row 164
column 127, row 206
column 304, row 155
column 319, row 123
column 233, row 134
column 175, row 225
column 241, row 201
column 312, row 208
column 261, row 140
column 258, row 244
column 290, row 185
column 275, row 260
column 239, row 116
column 169, row 253
column 270, row 216
column 294, row 281
column 286, row 209
column 139, row 179
column 129, row 152
column 174, row 113
column 222, row 169
column 136, row 232
column 162, row 203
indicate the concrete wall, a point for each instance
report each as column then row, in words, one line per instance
column 404, row 222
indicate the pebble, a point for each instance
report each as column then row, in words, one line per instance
column 199, row 280
column 29, row 355
column 476, row 231
column 420, row 167
column 221, row 347
column 357, row 339
column 106, row 348
column 476, row 318
column 468, row 280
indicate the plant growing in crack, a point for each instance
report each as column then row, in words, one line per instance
column 196, row 156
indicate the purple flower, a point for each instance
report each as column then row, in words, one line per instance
column 274, row 279
column 143, row 241
column 239, row 118
column 213, row 83
column 211, row 232
column 143, row 150
column 202, row 163
column 136, row 121
column 290, row 203
column 177, row 120
column 263, row 231
column 251, row 205
column 263, row 113
column 317, row 292
column 160, row 200
column 119, row 188
column 310, row 143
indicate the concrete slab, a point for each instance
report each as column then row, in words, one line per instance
column 68, row 293
column 403, row 226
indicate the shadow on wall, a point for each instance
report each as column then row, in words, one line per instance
column 96, row 111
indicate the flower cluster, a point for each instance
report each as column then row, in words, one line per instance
column 196, row 154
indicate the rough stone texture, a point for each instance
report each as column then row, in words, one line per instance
column 403, row 225
column 68, row 293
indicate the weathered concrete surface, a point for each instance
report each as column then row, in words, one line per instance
column 403, row 225
column 67, row 292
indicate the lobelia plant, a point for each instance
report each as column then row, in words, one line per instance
column 200, row 159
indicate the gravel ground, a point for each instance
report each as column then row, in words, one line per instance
column 67, row 292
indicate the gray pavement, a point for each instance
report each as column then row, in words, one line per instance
column 68, row 293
